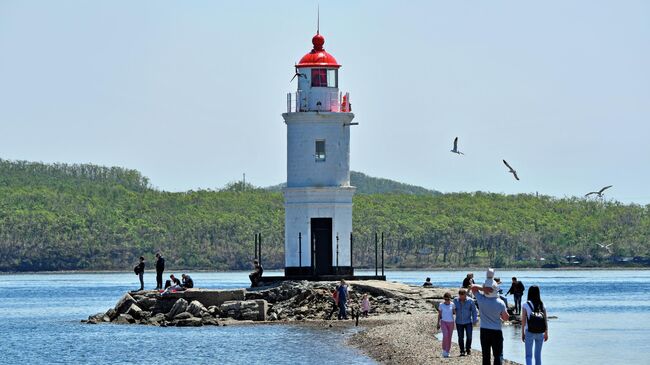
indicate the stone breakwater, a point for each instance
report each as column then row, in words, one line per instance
column 284, row 302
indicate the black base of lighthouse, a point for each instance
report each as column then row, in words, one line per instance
column 307, row 271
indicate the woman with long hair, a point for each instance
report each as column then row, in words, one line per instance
column 534, row 323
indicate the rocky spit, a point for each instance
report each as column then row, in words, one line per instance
column 400, row 328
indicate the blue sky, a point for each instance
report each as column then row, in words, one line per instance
column 191, row 93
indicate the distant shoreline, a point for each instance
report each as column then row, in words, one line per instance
column 477, row 268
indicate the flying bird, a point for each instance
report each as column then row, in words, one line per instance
column 298, row 75
column 455, row 150
column 599, row 192
column 606, row 247
column 512, row 171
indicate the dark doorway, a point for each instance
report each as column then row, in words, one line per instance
column 321, row 230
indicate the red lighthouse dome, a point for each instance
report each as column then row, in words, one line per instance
column 318, row 57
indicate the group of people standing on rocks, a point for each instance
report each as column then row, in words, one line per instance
column 462, row 313
column 171, row 285
column 341, row 297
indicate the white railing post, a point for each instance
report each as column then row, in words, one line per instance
column 288, row 102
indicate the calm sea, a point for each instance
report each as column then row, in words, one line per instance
column 603, row 318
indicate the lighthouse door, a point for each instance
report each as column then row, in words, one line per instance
column 321, row 229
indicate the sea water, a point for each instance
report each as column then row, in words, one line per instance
column 603, row 317
column 40, row 324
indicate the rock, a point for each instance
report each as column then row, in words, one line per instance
column 273, row 317
column 179, row 307
column 209, row 321
column 184, row 315
column 214, row 311
column 146, row 303
column 124, row 304
column 189, row 322
column 111, row 314
column 195, row 308
column 156, row 320
column 134, row 311
column 124, row 319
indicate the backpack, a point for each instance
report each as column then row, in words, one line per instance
column 536, row 319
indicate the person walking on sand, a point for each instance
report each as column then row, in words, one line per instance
column 343, row 294
column 160, row 268
column 535, row 325
column 517, row 290
column 493, row 310
column 139, row 270
column 466, row 317
column 446, row 312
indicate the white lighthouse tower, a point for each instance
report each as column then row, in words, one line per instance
column 318, row 195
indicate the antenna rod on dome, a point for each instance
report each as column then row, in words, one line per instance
column 318, row 19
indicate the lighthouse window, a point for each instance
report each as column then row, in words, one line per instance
column 318, row 77
column 332, row 80
column 320, row 150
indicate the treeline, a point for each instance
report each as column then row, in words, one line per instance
column 86, row 217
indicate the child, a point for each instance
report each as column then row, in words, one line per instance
column 446, row 312
column 365, row 305
column 489, row 283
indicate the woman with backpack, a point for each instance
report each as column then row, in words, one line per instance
column 534, row 323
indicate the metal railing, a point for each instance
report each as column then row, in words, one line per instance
column 302, row 101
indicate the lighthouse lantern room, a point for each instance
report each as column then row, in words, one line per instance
column 318, row 195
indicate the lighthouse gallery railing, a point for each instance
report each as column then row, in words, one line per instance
column 333, row 101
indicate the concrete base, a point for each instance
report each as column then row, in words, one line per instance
column 267, row 280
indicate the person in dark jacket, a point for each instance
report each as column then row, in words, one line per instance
column 187, row 281
column 139, row 270
column 517, row 290
column 256, row 275
column 160, row 268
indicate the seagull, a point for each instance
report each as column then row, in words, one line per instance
column 599, row 192
column 298, row 74
column 605, row 247
column 512, row 171
column 455, row 150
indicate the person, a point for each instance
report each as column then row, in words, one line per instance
column 427, row 283
column 187, row 281
column 493, row 310
column 469, row 280
column 365, row 305
column 160, row 268
column 335, row 304
column 466, row 318
column 256, row 275
column 535, row 331
column 446, row 312
column 139, row 270
column 342, row 290
column 174, row 280
column 173, row 285
column 517, row 290
column 505, row 300
column 490, row 283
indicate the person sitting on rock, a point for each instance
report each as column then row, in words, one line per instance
column 187, row 281
column 256, row 275
column 176, row 286
column 427, row 283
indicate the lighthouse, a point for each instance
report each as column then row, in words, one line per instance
column 318, row 195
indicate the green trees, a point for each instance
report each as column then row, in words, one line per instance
column 87, row 217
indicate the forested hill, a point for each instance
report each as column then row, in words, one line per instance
column 86, row 217
column 374, row 185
